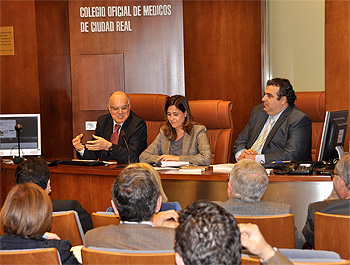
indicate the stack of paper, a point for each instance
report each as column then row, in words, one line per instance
column 174, row 163
column 192, row 169
column 223, row 168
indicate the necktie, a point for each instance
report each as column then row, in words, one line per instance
column 262, row 138
column 115, row 135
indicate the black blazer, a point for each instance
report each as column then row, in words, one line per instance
column 135, row 132
column 289, row 139
column 8, row 242
column 341, row 207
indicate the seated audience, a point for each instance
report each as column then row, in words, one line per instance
column 114, row 132
column 247, row 184
column 180, row 138
column 35, row 170
column 208, row 234
column 341, row 182
column 25, row 217
column 165, row 205
column 136, row 199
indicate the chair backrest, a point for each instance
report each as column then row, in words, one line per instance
column 313, row 104
column 278, row 230
column 110, row 256
column 332, row 232
column 149, row 107
column 66, row 225
column 340, row 262
column 250, row 261
column 216, row 116
column 104, row 218
column 30, row 256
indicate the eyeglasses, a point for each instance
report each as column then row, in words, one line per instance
column 123, row 108
column 333, row 175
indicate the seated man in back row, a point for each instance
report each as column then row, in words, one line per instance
column 341, row 206
column 277, row 130
column 136, row 199
column 247, row 184
column 35, row 170
column 119, row 135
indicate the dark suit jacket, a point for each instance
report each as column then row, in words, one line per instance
column 67, row 205
column 341, row 207
column 135, row 131
column 131, row 236
column 289, row 139
column 63, row 246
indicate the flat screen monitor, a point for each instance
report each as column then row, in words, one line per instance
column 333, row 136
column 30, row 135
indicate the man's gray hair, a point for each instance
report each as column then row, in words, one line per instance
column 343, row 168
column 248, row 180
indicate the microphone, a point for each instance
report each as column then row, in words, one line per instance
column 127, row 147
column 18, row 159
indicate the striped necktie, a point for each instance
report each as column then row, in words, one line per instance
column 115, row 135
column 262, row 138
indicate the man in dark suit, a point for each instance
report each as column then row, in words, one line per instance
column 136, row 199
column 35, row 170
column 277, row 129
column 247, row 184
column 341, row 182
column 120, row 135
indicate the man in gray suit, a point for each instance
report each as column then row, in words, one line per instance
column 341, row 183
column 136, row 199
column 277, row 129
column 247, row 184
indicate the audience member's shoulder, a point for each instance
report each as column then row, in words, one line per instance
column 320, row 205
column 59, row 244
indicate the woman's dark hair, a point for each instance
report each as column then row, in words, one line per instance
column 181, row 103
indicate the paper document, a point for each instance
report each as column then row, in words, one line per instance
column 224, row 168
column 174, row 163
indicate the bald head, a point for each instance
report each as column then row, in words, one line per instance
column 248, row 181
column 119, row 106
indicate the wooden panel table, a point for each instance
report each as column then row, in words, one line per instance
column 91, row 187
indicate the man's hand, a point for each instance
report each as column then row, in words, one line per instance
column 52, row 236
column 253, row 240
column 248, row 154
column 77, row 142
column 99, row 144
column 164, row 219
column 168, row 158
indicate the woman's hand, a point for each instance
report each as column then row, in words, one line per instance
column 168, row 158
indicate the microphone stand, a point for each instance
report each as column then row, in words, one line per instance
column 18, row 159
column 127, row 147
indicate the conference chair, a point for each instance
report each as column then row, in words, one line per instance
column 278, row 230
column 66, row 225
column 31, row 256
column 104, row 218
column 246, row 260
column 149, row 107
column 216, row 116
column 93, row 255
column 332, row 232
column 313, row 104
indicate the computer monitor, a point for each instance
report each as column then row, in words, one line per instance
column 30, row 135
column 333, row 136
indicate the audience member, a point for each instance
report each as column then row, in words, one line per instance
column 136, row 199
column 341, row 182
column 165, row 205
column 277, row 129
column 208, row 234
column 247, row 184
column 25, row 217
column 114, row 132
column 180, row 138
column 35, row 170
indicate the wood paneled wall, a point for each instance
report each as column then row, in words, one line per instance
column 337, row 39
column 223, row 54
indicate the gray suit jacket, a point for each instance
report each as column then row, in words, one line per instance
column 237, row 207
column 289, row 138
column 131, row 236
column 341, row 207
column 195, row 147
